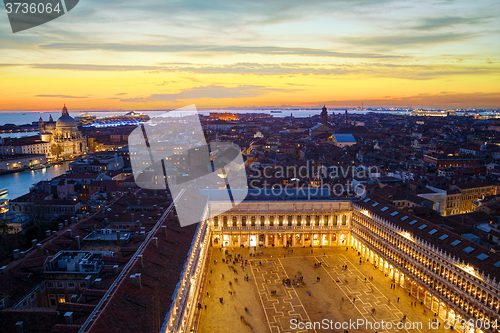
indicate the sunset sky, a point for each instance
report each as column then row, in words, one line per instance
column 163, row 54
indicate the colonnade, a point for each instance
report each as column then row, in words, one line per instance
column 283, row 239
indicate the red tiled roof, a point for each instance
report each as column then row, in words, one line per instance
column 39, row 320
column 160, row 275
column 75, row 307
column 422, row 232
column 61, row 328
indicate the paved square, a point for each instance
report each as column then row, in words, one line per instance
column 320, row 290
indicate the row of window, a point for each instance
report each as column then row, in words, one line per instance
column 29, row 208
column 280, row 220
column 451, row 294
column 424, row 263
column 63, row 284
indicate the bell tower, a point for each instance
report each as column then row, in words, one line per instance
column 41, row 126
column 324, row 115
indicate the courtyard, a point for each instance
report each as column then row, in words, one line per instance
column 291, row 289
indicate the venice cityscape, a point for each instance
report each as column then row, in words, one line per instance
column 261, row 167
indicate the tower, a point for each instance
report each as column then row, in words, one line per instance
column 41, row 126
column 324, row 116
column 65, row 111
column 346, row 116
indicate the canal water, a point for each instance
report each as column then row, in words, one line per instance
column 19, row 183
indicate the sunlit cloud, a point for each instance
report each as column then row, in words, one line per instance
column 164, row 53
column 431, row 23
column 382, row 70
column 266, row 50
column 408, row 40
column 61, row 96
column 205, row 92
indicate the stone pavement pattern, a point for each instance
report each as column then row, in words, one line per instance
column 339, row 296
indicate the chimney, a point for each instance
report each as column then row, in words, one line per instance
column 143, row 235
column 88, row 281
column 73, row 299
column 69, row 233
column 47, row 233
column 78, row 242
column 141, row 260
column 164, row 229
column 98, row 283
column 133, row 280
column 155, row 241
column 3, row 269
column 61, row 226
column 68, row 318
column 115, row 269
column 20, row 327
column 54, row 232
column 65, row 223
column 138, row 277
column 72, row 219
column 34, row 242
column 16, row 254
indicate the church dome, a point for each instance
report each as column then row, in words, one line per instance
column 65, row 121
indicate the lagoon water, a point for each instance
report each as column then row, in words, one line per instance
column 19, row 183
column 28, row 117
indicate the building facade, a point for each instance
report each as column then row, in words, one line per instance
column 19, row 162
column 440, row 269
column 24, row 146
column 67, row 276
column 64, row 137
column 453, row 277
column 301, row 223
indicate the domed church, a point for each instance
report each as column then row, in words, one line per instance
column 64, row 137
